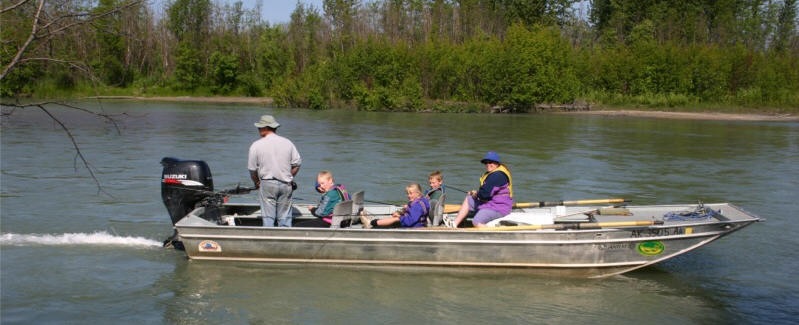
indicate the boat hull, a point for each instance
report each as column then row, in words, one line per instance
column 585, row 252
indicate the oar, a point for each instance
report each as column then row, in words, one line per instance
column 579, row 225
column 556, row 203
column 452, row 208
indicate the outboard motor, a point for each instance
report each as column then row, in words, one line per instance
column 184, row 184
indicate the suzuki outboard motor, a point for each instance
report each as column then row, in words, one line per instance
column 184, row 184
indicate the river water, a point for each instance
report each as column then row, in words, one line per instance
column 73, row 252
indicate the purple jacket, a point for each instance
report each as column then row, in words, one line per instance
column 416, row 213
column 494, row 193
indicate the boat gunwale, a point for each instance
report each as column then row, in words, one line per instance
column 325, row 235
column 460, row 241
column 418, row 263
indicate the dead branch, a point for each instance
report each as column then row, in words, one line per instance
column 24, row 48
column 12, row 7
column 78, row 153
column 52, row 29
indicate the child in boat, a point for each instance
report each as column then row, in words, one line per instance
column 332, row 194
column 414, row 214
column 436, row 181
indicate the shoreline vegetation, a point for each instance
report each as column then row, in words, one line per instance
column 582, row 110
column 476, row 56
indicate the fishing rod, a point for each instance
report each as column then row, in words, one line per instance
column 455, row 188
column 378, row 202
column 370, row 201
column 446, row 186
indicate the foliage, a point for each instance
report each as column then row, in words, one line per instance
column 412, row 55
column 224, row 72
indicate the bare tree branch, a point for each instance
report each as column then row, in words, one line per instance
column 52, row 29
column 13, row 6
column 47, row 27
column 78, row 153
column 24, row 48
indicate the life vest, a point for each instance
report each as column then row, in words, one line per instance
column 433, row 190
column 425, row 204
column 343, row 195
column 342, row 192
column 501, row 169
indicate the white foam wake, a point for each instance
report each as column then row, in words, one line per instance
column 97, row 238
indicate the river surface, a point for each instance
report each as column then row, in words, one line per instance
column 73, row 252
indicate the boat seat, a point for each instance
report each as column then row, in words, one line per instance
column 357, row 203
column 342, row 215
column 436, row 215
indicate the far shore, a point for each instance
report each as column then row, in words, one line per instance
column 693, row 115
column 195, row 99
column 603, row 112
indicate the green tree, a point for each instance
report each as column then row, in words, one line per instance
column 224, row 72
column 304, row 37
column 188, row 69
column 341, row 14
column 111, row 46
column 538, row 68
column 274, row 58
column 785, row 34
column 188, row 20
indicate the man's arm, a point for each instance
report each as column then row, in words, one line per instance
column 255, row 179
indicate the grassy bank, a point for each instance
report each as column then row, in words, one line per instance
column 594, row 102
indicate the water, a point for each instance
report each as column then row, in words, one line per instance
column 73, row 252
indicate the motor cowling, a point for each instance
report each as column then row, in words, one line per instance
column 184, row 184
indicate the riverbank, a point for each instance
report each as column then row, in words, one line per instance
column 266, row 101
column 195, row 99
column 692, row 115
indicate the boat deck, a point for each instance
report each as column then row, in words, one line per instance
column 249, row 214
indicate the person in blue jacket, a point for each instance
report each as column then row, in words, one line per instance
column 414, row 214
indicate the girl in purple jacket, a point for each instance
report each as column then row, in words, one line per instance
column 413, row 214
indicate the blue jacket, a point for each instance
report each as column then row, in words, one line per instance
column 416, row 213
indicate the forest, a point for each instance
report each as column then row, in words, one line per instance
column 412, row 55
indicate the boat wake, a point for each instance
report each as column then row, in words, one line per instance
column 96, row 238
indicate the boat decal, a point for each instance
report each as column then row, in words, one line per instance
column 209, row 246
column 613, row 246
column 657, row 232
column 650, row 248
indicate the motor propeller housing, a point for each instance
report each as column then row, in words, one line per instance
column 184, row 184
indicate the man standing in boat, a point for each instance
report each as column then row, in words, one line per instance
column 273, row 161
column 494, row 199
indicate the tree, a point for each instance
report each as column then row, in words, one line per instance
column 224, row 72
column 189, row 23
column 30, row 30
column 786, row 26
column 341, row 13
column 111, row 46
